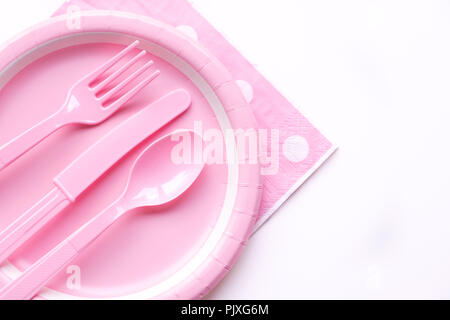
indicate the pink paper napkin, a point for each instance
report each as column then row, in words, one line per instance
column 295, row 148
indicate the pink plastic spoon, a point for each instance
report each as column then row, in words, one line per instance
column 157, row 178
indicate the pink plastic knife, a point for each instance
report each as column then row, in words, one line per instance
column 91, row 165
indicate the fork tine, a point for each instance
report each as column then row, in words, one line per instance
column 119, row 72
column 125, row 82
column 94, row 75
column 130, row 94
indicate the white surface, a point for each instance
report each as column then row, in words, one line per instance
column 375, row 76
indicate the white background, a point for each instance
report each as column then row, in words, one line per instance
column 375, row 77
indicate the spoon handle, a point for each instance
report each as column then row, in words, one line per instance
column 28, row 284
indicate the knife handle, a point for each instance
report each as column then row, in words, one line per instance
column 34, row 278
column 24, row 227
column 30, row 282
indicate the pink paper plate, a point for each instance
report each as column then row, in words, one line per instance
column 180, row 251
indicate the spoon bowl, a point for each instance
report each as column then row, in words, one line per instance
column 160, row 175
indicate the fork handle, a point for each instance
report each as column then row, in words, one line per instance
column 28, row 284
column 14, row 149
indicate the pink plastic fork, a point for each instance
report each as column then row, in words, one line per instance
column 84, row 104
